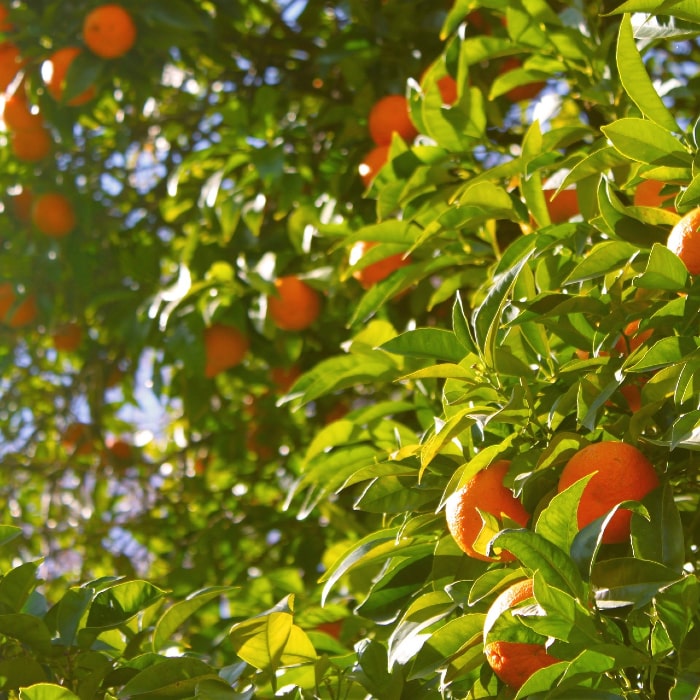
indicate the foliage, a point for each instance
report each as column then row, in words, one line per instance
column 220, row 153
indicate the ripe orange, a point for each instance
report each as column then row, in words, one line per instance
column 372, row 163
column 633, row 395
column 447, row 86
column 53, row 214
column 333, row 629
column 109, row 31
column 16, row 312
column 22, row 205
column 390, row 115
column 224, row 347
column 284, row 377
column 684, row 240
column 486, row 492
column 448, row 89
column 67, row 337
column 10, row 63
column 55, row 70
column 77, row 439
column 648, row 194
column 620, row 473
column 31, row 145
column 513, row 662
column 520, row 92
column 630, row 339
column 17, row 114
column 5, row 24
column 119, row 449
column 295, row 306
column 374, row 272
column 338, row 411
column 563, row 206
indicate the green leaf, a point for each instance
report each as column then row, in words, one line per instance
column 660, row 538
column 557, row 522
column 423, row 612
column 271, row 641
column 395, row 494
column 175, row 14
column 449, row 642
column 27, row 629
column 636, row 81
column 426, row 343
column 374, row 546
column 686, row 9
column 176, row 614
column 644, row 141
column 46, row 691
column 664, row 270
column 535, row 553
column 16, row 586
column 487, row 317
column 9, row 533
column 460, row 325
column 168, row 678
column 629, row 581
column 19, row 671
column 664, row 352
column 674, row 606
column 120, row 602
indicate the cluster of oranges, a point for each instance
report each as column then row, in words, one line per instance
column 109, row 32
column 293, row 306
column 618, row 472
column 79, row 440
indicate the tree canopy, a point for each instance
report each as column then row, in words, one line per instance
column 259, row 324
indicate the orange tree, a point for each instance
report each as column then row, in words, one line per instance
column 252, row 538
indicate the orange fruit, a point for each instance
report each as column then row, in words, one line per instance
column 284, row 377
column 261, row 448
column 295, row 306
column 390, row 115
column 24, row 314
column 67, row 337
column 77, row 439
column 648, row 194
column 119, row 449
column 684, row 240
column 448, row 89
column 16, row 312
column 374, row 272
column 333, row 629
column 10, row 64
column 620, row 473
column 631, row 339
column 5, row 24
column 340, row 410
column 372, row 163
column 109, row 31
column 633, row 395
column 447, row 86
column 31, row 145
column 22, row 205
column 521, row 92
column 55, row 70
column 224, row 347
column 562, row 206
column 486, row 492
column 53, row 214
column 17, row 114
column 513, row 662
